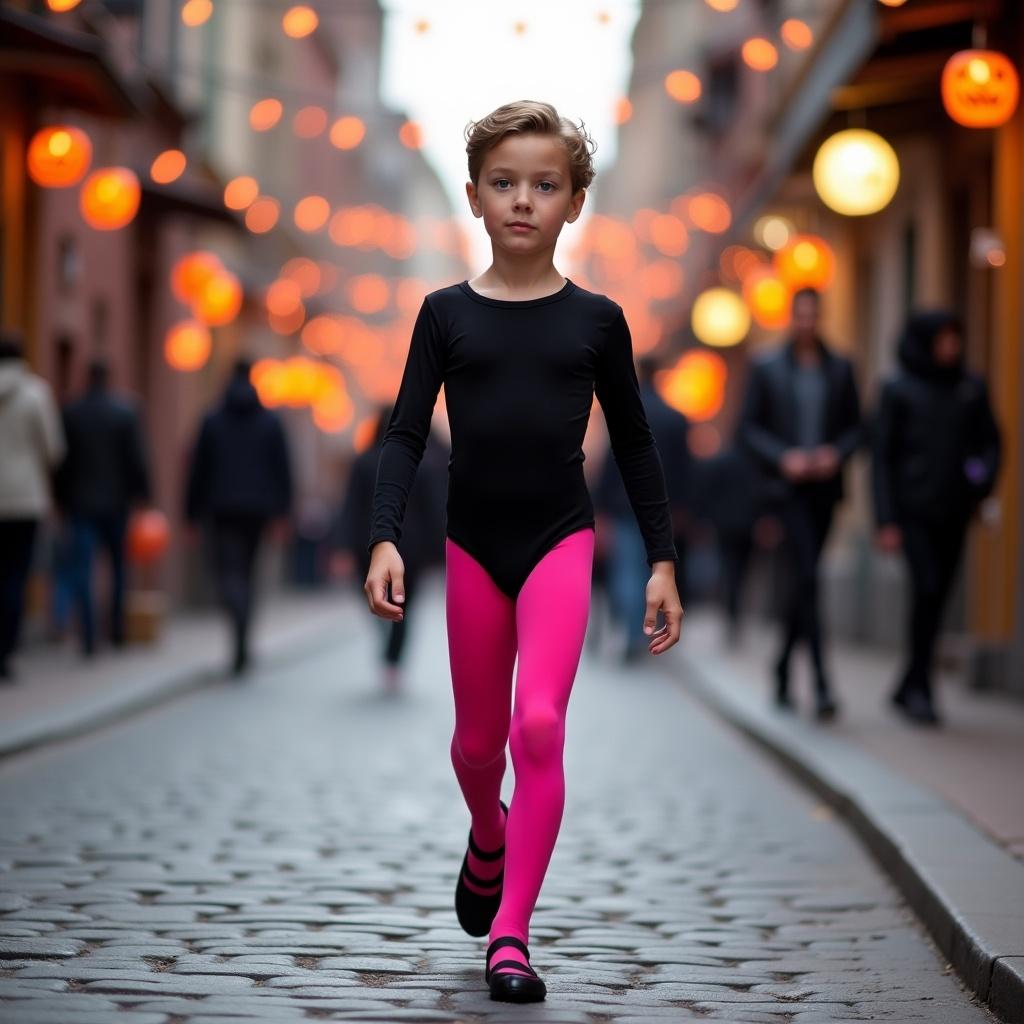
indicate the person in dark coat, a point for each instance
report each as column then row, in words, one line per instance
column 422, row 543
column 239, row 480
column 626, row 566
column 104, row 475
column 801, row 420
column 936, row 453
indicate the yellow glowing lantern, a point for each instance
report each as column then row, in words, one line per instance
column 264, row 114
column 59, row 156
column 768, row 298
column 807, row 261
column 683, row 86
column 196, row 12
column 695, row 385
column 720, row 318
column 980, row 88
column 311, row 213
column 110, row 198
column 347, row 132
column 187, row 346
column 219, row 300
column 191, row 273
column 796, row 34
column 759, row 54
column 241, row 192
column 856, row 172
column 168, row 166
column 300, row 21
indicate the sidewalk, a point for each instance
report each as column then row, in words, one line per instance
column 942, row 809
column 58, row 694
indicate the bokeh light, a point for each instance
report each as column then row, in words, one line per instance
column 58, row 156
column 720, row 317
column 299, row 21
column 110, row 198
column 168, row 166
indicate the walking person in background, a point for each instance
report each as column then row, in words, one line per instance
column 936, row 453
column 801, row 420
column 104, row 475
column 239, row 480
column 422, row 543
column 521, row 352
column 31, row 446
column 626, row 567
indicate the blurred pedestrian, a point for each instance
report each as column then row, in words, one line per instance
column 422, row 542
column 627, row 570
column 104, row 475
column 936, row 456
column 239, row 480
column 801, row 420
column 32, row 446
column 521, row 352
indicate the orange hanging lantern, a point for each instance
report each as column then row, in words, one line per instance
column 980, row 88
column 768, row 298
column 59, row 156
column 695, row 385
column 806, row 261
column 191, row 273
column 220, row 299
column 148, row 536
column 110, row 198
column 187, row 346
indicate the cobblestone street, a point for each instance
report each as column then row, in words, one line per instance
column 285, row 849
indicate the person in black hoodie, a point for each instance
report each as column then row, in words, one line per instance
column 801, row 421
column 104, row 474
column 239, row 480
column 422, row 543
column 936, row 456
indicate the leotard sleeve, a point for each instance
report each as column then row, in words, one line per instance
column 632, row 441
column 406, row 436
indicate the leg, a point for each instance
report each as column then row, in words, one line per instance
column 16, row 537
column 112, row 531
column 83, row 545
column 551, row 620
column 820, row 522
column 482, row 653
column 629, row 574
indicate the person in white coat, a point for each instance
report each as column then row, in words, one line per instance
column 33, row 446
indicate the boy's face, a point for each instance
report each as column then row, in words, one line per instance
column 525, row 178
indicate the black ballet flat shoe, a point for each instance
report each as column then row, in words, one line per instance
column 476, row 912
column 507, row 986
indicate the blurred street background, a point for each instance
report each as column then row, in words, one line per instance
column 219, row 219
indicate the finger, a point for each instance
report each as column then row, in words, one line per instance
column 398, row 587
column 651, row 617
column 380, row 605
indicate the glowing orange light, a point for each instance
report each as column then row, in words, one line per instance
column 323, row 335
column 980, row 88
column 797, row 34
column 722, row 5
column 264, row 114
column 300, row 21
column 311, row 213
column 168, row 166
column 662, row 279
column 305, row 273
column 219, row 300
column 288, row 324
column 284, row 297
column 262, row 215
column 148, row 536
column 196, row 12
column 59, row 156
column 709, row 212
column 368, row 293
column 110, row 198
column 62, row 5
column 807, row 261
column 334, row 411
column 187, row 346
column 683, row 86
column 309, row 122
column 768, row 298
column 347, row 132
column 191, row 273
column 760, row 54
column 695, row 385
column 239, row 193
column 892, row 3
column 365, row 432
column 411, row 135
column 623, row 110
column 668, row 234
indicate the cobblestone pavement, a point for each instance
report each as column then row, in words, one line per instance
column 285, row 850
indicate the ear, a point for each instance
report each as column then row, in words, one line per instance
column 576, row 205
column 474, row 203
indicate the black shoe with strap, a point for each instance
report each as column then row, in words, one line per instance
column 507, row 985
column 475, row 911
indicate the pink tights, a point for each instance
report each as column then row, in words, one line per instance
column 546, row 624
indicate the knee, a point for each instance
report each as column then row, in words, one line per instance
column 537, row 733
column 478, row 749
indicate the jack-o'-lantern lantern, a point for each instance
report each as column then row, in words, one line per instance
column 980, row 88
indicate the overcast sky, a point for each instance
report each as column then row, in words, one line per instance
column 471, row 60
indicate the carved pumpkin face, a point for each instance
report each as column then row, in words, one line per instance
column 980, row 88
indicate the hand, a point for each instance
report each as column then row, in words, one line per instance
column 824, row 462
column 663, row 596
column 795, row 464
column 386, row 566
column 889, row 538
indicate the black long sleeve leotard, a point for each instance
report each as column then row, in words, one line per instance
column 519, row 378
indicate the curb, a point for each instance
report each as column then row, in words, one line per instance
column 172, row 681
column 965, row 888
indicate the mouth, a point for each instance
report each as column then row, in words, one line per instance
column 521, row 224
